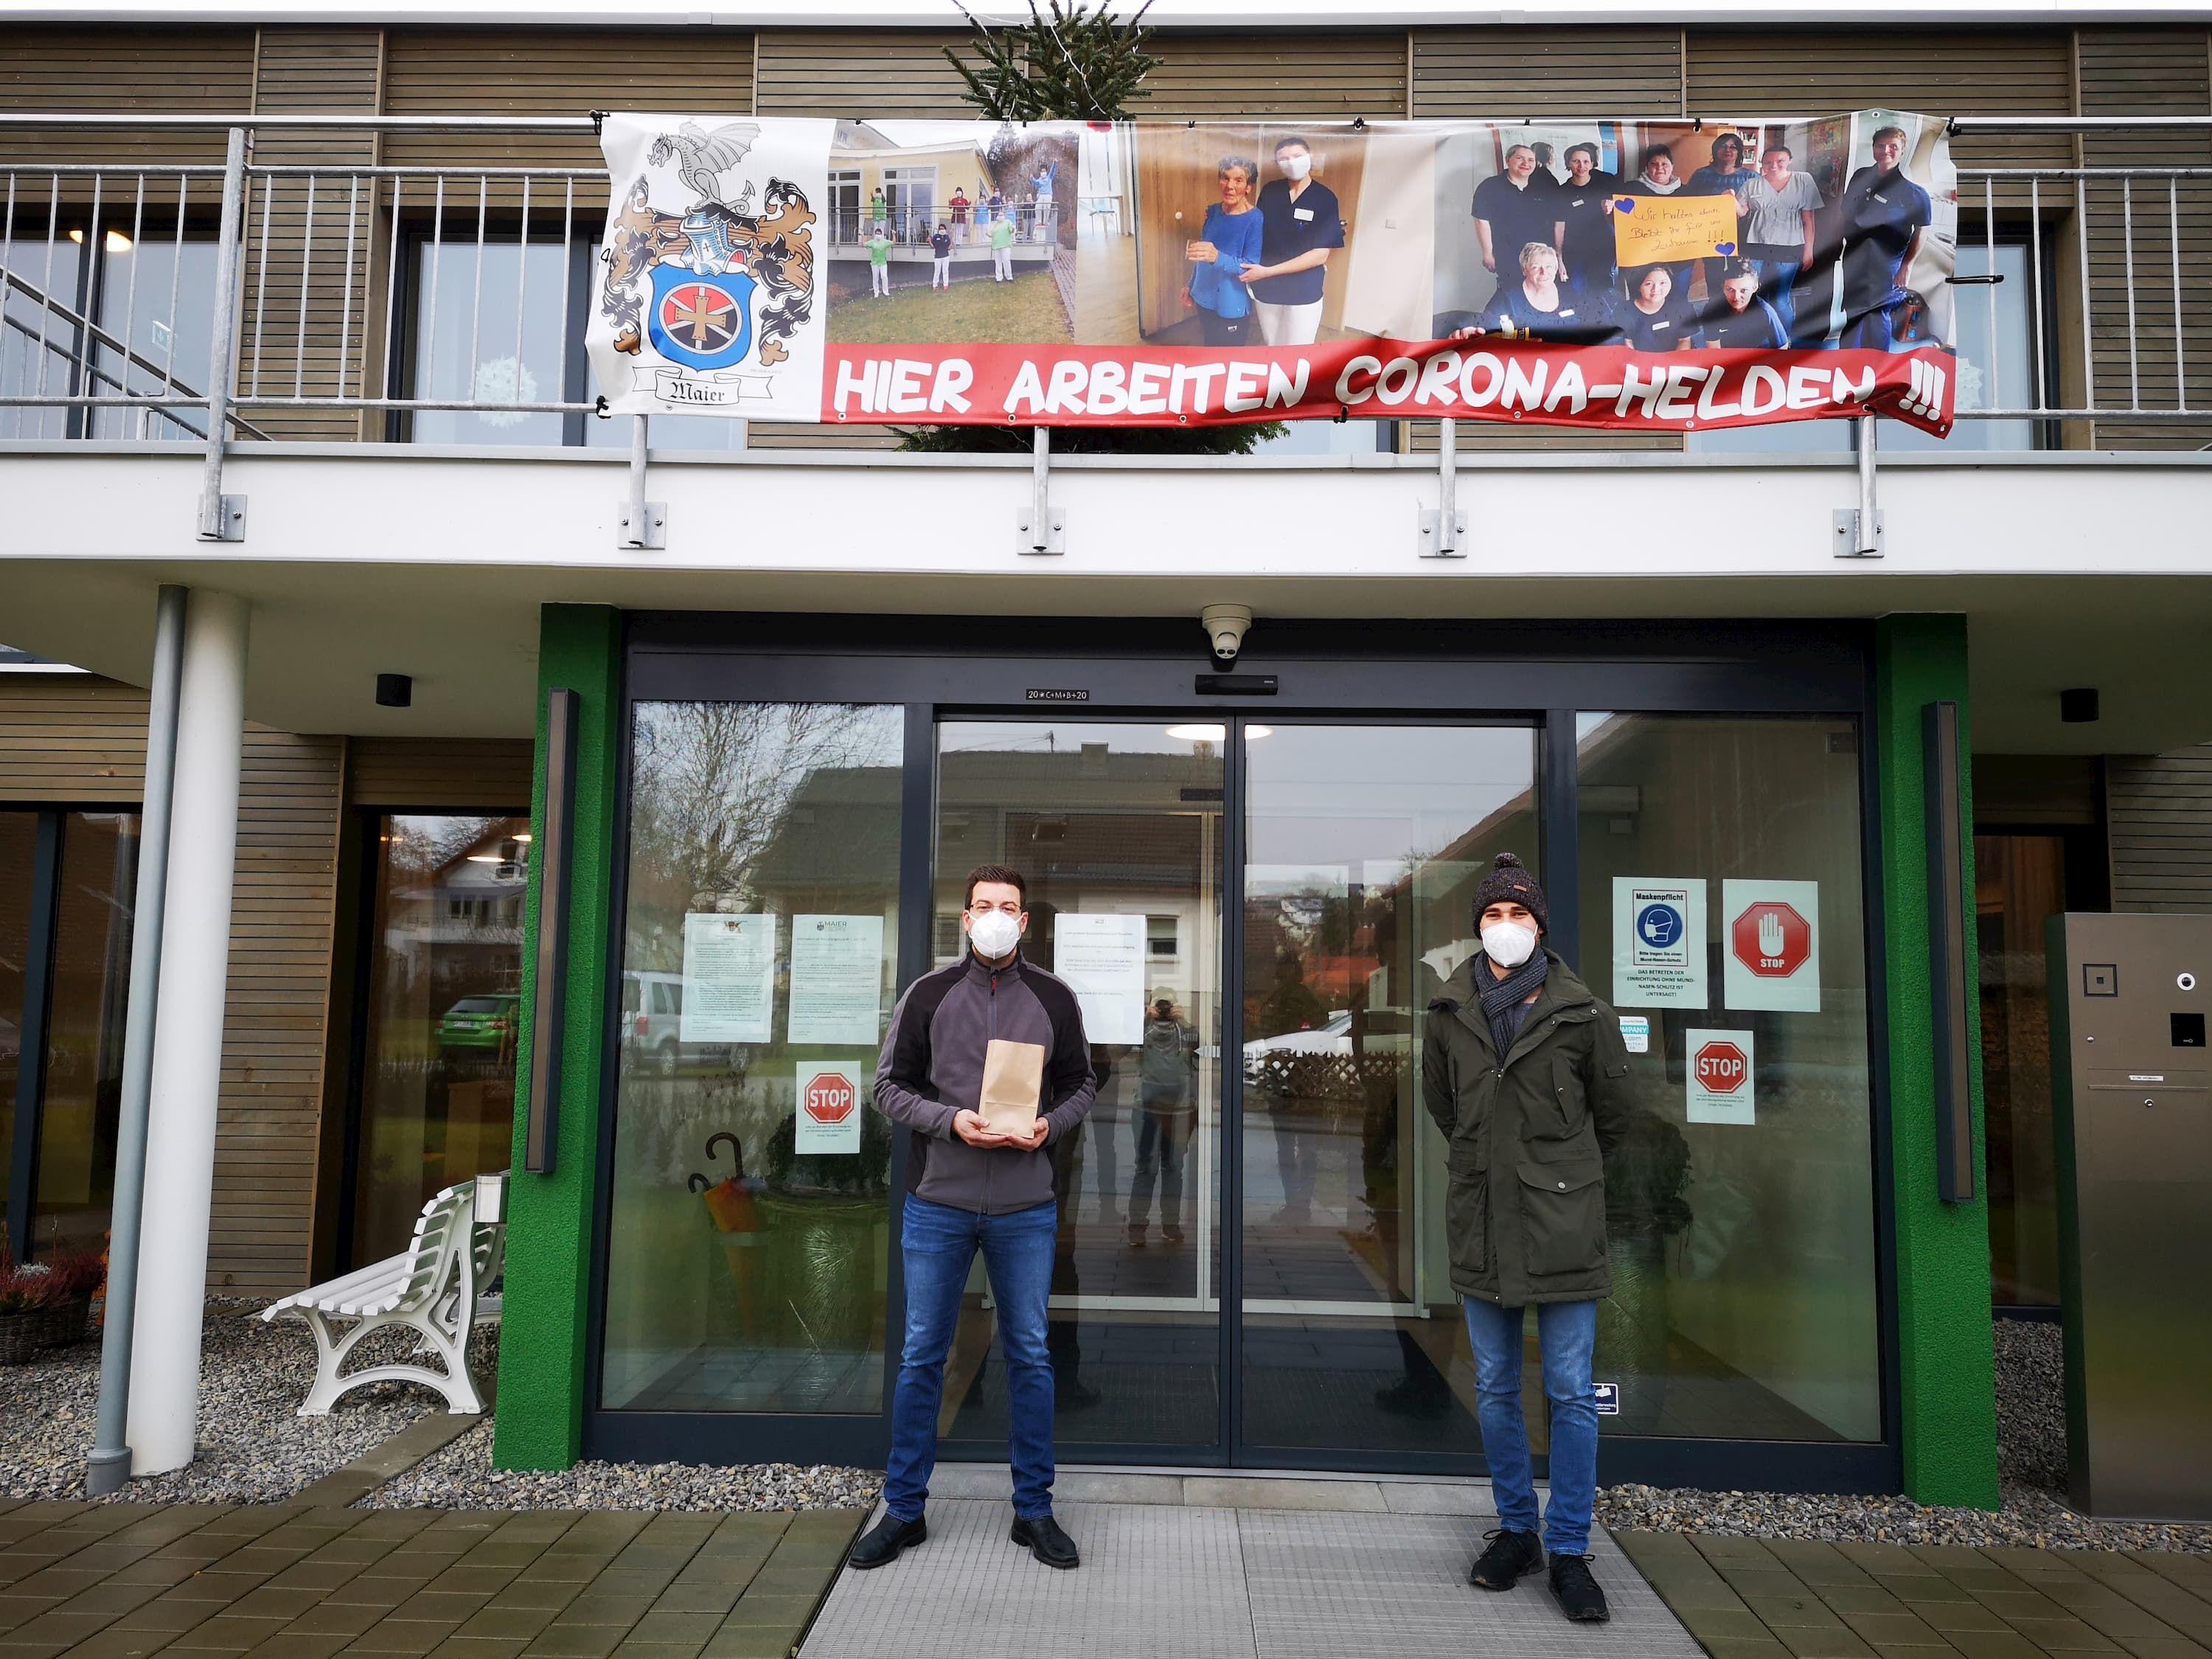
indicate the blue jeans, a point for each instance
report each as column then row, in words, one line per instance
column 1567, row 1332
column 938, row 1247
column 1777, row 285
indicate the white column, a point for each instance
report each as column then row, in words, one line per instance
column 164, row 1373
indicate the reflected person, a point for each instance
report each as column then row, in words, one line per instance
column 1291, row 1005
column 1524, row 1070
column 970, row 1187
column 1167, row 1067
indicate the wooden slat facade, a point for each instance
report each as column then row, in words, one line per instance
column 2148, row 72
column 2159, row 816
column 118, row 70
column 299, row 269
column 461, row 775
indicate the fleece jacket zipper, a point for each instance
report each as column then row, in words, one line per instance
column 991, row 1034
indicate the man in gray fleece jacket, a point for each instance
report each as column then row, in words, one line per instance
column 969, row 1188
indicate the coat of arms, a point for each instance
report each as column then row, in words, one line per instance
column 726, row 279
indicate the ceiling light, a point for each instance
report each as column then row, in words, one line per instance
column 522, row 835
column 1198, row 733
column 486, row 858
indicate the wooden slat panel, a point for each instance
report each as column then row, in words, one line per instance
column 553, row 72
column 120, row 70
column 2158, row 819
column 292, row 350
column 1735, row 73
column 2148, row 72
column 275, row 1008
column 1502, row 73
column 1303, row 75
column 860, row 74
column 463, row 774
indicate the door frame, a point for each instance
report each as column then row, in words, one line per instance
column 1148, row 668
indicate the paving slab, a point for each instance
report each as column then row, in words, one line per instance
column 1213, row 1581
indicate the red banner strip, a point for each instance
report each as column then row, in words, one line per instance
column 1600, row 387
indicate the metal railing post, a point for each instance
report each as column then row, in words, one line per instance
column 1040, row 530
column 223, row 518
column 1440, row 531
column 1858, row 530
column 109, row 1466
column 643, row 523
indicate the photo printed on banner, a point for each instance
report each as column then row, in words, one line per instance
column 707, row 299
column 1619, row 274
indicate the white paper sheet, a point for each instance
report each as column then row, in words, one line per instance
column 1770, row 945
column 1102, row 957
column 828, row 1102
column 1658, row 942
column 729, row 978
column 1718, row 1078
column 836, row 979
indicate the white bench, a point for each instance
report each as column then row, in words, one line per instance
column 432, row 1288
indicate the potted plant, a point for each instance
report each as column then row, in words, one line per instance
column 72, row 1279
column 25, row 1297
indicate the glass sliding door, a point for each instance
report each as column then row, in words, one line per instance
column 1117, row 829
column 1363, row 846
column 748, row 1239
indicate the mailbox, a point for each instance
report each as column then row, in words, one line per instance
column 2131, row 1104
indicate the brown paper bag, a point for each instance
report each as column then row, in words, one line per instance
column 1013, row 1080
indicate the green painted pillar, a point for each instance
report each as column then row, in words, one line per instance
column 1945, row 1360
column 548, row 1230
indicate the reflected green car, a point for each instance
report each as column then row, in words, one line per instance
column 484, row 1022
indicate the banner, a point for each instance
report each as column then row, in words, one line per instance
column 1645, row 276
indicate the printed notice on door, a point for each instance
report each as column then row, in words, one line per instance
column 828, row 1105
column 1770, row 945
column 729, row 978
column 1716, row 1076
column 836, row 979
column 1658, row 942
column 1102, row 959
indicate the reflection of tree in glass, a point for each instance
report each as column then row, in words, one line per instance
column 714, row 781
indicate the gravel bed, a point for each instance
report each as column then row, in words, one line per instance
column 2031, row 1470
column 254, row 1447
column 461, row 1477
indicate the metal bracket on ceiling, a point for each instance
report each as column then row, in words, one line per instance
column 1441, row 527
column 1040, row 529
column 1858, row 530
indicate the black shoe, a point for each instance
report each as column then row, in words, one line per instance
column 1579, row 1597
column 883, row 1544
column 1406, row 1398
column 1073, row 1396
column 1047, row 1541
column 1511, row 1557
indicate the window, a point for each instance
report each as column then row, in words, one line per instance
column 1741, row 1217
column 747, row 1266
column 508, row 327
column 147, row 285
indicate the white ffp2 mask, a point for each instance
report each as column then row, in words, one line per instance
column 1295, row 166
column 995, row 934
column 1508, row 944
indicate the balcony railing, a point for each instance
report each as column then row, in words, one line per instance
column 261, row 300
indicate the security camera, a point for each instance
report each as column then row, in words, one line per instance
column 1224, row 626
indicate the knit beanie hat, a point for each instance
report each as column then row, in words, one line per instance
column 1509, row 878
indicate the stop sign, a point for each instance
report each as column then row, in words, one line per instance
column 830, row 1098
column 1771, row 939
column 1720, row 1067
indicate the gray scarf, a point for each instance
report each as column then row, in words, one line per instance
column 1501, row 998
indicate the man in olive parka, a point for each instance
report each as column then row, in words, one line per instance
column 1524, row 1070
